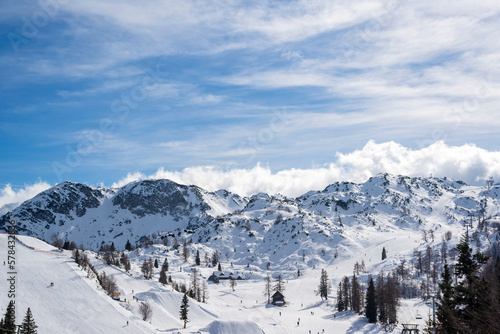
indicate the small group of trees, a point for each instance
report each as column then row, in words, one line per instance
column 108, row 283
column 379, row 303
column 472, row 304
column 147, row 268
column 8, row 322
column 146, row 311
column 350, row 295
column 279, row 285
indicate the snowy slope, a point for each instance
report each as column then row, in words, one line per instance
column 73, row 305
column 91, row 216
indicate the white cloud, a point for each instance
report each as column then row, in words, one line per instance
column 131, row 177
column 467, row 162
column 11, row 197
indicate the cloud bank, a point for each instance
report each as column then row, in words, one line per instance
column 10, row 197
column 468, row 163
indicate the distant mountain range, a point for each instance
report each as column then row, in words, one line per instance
column 258, row 228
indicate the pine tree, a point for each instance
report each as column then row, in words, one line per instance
column 28, row 326
column 219, row 267
column 467, row 292
column 381, row 298
column 356, row 296
column 371, row 302
column 446, row 314
column 128, row 246
column 163, row 277
column 346, row 293
column 384, row 254
column 184, row 309
column 156, row 263
column 324, row 285
column 165, row 265
column 9, row 321
column 197, row 259
column 215, row 258
column 340, row 298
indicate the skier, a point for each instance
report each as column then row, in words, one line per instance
column 127, row 322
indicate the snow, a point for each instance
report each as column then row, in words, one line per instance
column 230, row 327
column 75, row 304
column 248, row 236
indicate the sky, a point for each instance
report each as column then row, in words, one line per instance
column 278, row 96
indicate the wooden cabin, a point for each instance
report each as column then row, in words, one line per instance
column 278, row 299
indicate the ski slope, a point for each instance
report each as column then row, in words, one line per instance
column 73, row 305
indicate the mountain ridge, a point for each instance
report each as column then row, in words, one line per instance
column 266, row 224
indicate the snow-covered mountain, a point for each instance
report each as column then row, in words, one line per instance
column 91, row 216
column 260, row 229
column 333, row 229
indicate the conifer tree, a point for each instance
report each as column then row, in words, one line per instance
column 371, row 302
column 324, row 285
column 184, row 309
column 346, row 293
column 28, row 326
column 445, row 313
column 468, row 307
column 128, row 246
column 215, row 258
column 197, row 259
column 165, row 265
column 156, row 263
column 384, row 254
column 356, row 296
column 340, row 298
column 163, row 277
column 9, row 321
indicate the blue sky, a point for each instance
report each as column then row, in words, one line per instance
column 99, row 91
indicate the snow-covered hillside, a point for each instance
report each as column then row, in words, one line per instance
column 264, row 223
column 332, row 229
column 91, row 216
